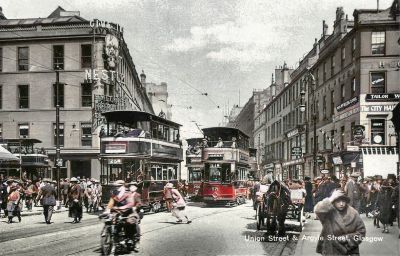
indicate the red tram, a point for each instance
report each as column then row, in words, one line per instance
column 139, row 146
column 226, row 165
column 195, row 167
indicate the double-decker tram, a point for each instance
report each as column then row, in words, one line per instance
column 139, row 146
column 195, row 167
column 226, row 165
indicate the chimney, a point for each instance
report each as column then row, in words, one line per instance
column 273, row 87
column 143, row 78
column 324, row 28
column 286, row 76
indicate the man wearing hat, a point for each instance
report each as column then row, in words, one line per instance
column 47, row 194
column 74, row 198
column 352, row 191
column 342, row 226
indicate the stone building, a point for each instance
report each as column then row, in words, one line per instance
column 96, row 74
column 158, row 95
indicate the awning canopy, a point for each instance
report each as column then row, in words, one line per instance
column 379, row 161
column 5, row 155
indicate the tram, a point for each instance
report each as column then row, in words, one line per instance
column 34, row 161
column 195, row 167
column 142, row 147
column 226, row 166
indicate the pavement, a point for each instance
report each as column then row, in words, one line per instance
column 378, row 243
column 37, row 211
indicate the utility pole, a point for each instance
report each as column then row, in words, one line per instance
column 58, row 160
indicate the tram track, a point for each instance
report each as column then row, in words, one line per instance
column 161, row 228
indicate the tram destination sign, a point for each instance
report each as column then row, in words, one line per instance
column 383, row 97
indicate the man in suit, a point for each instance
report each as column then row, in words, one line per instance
column 47, row 194
column 74, row 198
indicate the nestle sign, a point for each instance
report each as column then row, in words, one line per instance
column 347, row 104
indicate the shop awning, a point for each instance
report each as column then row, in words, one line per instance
column 379, row 161
column 5, row 155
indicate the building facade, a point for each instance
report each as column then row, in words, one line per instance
column 96, row 74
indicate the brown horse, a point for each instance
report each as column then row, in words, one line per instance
column 277, row 201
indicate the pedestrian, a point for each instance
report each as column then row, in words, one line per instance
column 74, row 198
column 13, row 200
column 65, row 186
column 178, row 205
column 168, row 197
column 308, row 205
column 384, row 205
column 342, row 226
column 352, row 190
column 47, row 196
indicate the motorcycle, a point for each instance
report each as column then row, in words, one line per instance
column 114, row 237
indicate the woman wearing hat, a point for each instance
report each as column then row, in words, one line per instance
column 178, row 205
column 13, row 203
column 384, row 205
column 342, row 226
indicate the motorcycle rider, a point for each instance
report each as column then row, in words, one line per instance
column 122, row 201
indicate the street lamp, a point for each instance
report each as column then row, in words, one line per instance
column 58, row 159
column 309, row 81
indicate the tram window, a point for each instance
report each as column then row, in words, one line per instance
column 154, row 131
column 171, row 135
column 166, row 133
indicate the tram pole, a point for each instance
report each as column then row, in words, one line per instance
column 58, row 160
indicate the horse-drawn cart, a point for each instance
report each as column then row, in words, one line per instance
column 296, row 208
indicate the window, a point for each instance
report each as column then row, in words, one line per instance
column 378, row 131
column 1, row 97
column 353, row 46
column 378, row 82
column 343, row 57
column 23, row 130
column 86, row 133
column 58, row 57
column 324, row 75
column 324, row 107
column 23, row 94
column 86, row 95
column 86, row 53
column 378, row 43
column 1, row 131
column 332, row 65
column 1, row 59
column 332, row 138
column 316, row 77
column 332, row 103
column 353, row 124
column 342, row 93
column 60, row 95
column 23, row 58
column 61, row 132
column 353, row 87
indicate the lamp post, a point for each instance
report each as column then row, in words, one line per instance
column 309, row 81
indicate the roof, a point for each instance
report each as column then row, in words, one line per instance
column 5, row 155
column 193, row 141
column 223, row 130
column 132, row 116
column 22, row 140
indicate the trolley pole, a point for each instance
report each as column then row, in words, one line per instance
column 58, row 160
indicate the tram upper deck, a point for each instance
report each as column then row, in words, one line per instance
column 140, row 134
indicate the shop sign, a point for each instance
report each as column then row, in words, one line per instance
column 115, row 148
column 292, row 133
column 347, row 114
column 337, row 160
column 358, row 132
column 377, row 108
column 100, row 24
column 324, row 171
column 353, row 148
column 320, row 159
column 115, row 161
column 353, row 164
column 269, row 166
column 347, row 104
column 296, row 151
column 293, row 162
column 104, row 75
column 383, row 97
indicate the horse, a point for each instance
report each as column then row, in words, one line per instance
column 277, row 201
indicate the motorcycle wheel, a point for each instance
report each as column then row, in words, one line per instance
column 107, row 242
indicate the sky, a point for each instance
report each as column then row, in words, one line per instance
column 222, row 48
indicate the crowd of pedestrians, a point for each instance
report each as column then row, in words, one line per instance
column 18, row 195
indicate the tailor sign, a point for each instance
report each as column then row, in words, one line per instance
column 383, row 97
